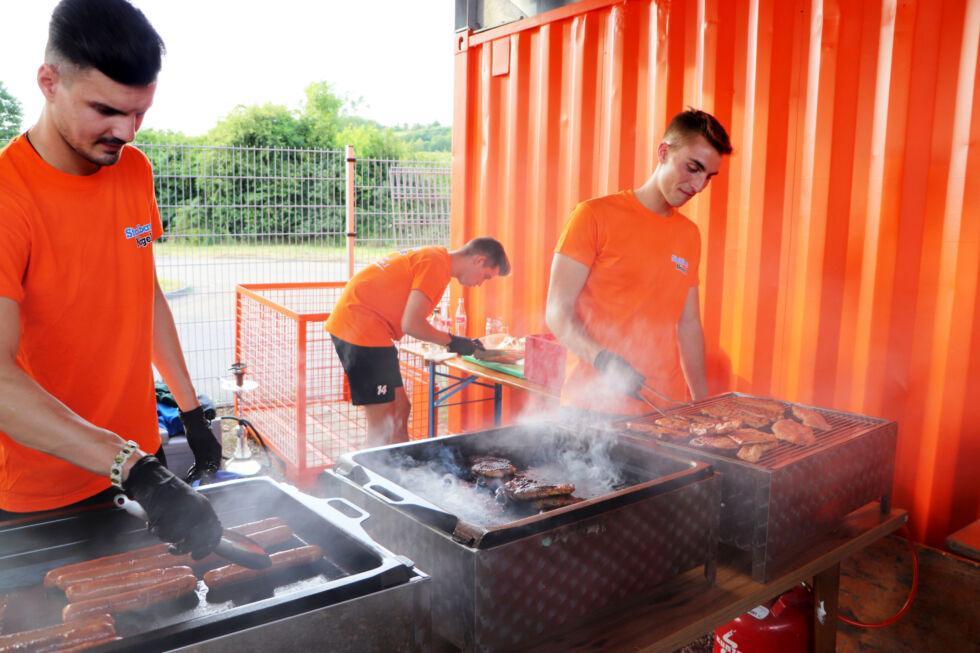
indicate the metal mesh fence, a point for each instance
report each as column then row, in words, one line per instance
column 236, row 215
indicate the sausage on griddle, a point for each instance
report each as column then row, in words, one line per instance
column 98, row 587
column 132, row 600
column 57, row 637
column 230, row 574
column 51, row 578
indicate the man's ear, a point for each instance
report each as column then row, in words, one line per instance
column 479, row 261
column 662, row 151
column 47, row 80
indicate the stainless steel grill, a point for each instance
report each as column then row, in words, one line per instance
column 772, row 507
column 498, row 585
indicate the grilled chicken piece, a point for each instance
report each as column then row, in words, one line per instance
column 491, row 466
column 657, row 431
column 728, row 411
column 768, row 407
column 811, row 418
column 673, row 423
column 559, row 501
column 701, row 425
column 714, row 442
column 753, row 452
column 794, row 432
column 752, row 436
column 522, row 488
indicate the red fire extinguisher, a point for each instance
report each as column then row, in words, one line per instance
column 783, row 626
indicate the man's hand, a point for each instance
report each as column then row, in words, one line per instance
column 175, row 512
column 463, row 346
column 206, row 448
column 618, row 374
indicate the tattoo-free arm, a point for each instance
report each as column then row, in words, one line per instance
column 690, row 343
column 415, row 322
column 568, row 277
column 31, row 416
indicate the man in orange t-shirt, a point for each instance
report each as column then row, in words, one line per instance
column 623, row 294
column 389, row 299
column 82, row 316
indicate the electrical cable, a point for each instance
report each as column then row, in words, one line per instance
column 908, row 601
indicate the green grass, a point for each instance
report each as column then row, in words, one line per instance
column 169, row 285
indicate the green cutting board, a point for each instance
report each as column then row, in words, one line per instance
column 513, row 370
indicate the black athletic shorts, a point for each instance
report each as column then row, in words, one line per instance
column 372, row 372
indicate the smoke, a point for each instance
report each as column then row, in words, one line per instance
column 440, row 472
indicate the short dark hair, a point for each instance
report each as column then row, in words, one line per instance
column 492, row 250
column 694, row 122
column 112, row 36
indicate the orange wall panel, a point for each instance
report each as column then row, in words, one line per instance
column 841, row 242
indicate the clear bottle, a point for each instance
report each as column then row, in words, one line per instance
column 436, row 318
column 460, row 323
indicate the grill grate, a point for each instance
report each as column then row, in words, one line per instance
column 844, row 427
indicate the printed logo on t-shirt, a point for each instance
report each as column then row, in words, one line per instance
column 679, row 263
column 143, row 233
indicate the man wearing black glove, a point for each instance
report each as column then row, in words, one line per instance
column 77, row 356
column 206, row 448
column 618, row 374
column 463, row 346
column 392, row 298
column 623, row 294
column 175, row 512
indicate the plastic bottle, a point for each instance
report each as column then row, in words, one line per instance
column 460, row 319
column 436, row 318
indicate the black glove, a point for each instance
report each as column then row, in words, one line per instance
column 206, row 448
column 618, row 374
column 175, row 512
column 464, row 346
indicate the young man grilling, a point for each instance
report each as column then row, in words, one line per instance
column 82, row 316
column 394, row 297
column 623, row 294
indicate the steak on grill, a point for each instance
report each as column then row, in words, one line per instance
column 768, row 407
column 792, row 431
column 811, row 418
column 523, row 488
column 673, row 423
column 491, row 466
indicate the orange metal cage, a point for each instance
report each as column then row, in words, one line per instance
column 301, row 405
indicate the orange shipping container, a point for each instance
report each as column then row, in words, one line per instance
column 841, row 242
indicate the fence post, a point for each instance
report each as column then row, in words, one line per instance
column 351, row 233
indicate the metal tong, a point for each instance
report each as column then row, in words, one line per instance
column 235, row 547
column 646, row 387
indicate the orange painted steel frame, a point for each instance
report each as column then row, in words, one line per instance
column 841, row 241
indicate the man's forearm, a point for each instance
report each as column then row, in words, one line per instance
column 32, row 417
column 427, row 333
column 570, row 332
column 168, row 356
column 690, row 342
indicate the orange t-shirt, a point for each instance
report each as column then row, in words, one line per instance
column 369, row 311
column 642, row 266
column 76, row 255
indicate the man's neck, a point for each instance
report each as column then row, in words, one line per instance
column 651, row 198
column 47, row 141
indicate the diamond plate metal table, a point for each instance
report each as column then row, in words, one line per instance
column 685, row 608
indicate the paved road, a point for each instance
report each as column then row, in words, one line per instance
column 204, row 308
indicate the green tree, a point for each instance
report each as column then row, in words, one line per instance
column 322, row 115
column 11, row 114
column 268, row 125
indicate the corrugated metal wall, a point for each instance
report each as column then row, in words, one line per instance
column 842, row 239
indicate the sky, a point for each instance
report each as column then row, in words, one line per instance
column 395, row 56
